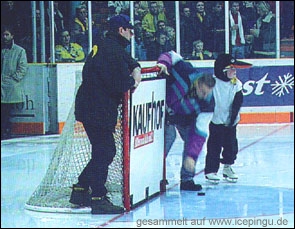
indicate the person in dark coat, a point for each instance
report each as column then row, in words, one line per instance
column 109, row 71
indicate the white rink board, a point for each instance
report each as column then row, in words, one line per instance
column 147, row 139
column 66, row 85
column 34, row 111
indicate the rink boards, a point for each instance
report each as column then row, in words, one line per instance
column 49, row 93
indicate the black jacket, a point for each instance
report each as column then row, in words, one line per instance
column 105, row 77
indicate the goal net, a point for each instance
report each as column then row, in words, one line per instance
column 71, row 156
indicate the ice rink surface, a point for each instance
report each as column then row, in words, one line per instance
column 263, row 197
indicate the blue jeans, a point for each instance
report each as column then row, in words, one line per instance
column 238, row 52
column 170, row 136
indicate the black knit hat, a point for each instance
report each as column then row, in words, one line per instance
column 226, row 60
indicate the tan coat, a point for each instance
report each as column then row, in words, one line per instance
column 14, row 67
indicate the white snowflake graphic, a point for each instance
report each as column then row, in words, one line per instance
column 284, row 85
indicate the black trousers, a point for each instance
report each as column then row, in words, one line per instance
column 6, row 109
column 103, row 151
column 222, row 140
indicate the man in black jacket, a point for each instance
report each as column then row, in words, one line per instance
column 109, row 71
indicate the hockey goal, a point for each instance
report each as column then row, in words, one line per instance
column 73, row 153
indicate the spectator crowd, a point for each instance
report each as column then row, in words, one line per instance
column 252, row 27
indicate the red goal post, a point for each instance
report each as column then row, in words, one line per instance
column 151, row 83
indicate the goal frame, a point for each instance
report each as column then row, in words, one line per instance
column 127, row 104
column 52, row 194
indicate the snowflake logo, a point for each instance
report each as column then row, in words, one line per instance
column 284, row 85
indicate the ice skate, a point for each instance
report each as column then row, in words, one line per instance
column 212, row 178
column 229, row 174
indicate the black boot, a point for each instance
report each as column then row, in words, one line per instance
column 190, row 185
column 102, row 205
column 5, row 134
column 80, row 196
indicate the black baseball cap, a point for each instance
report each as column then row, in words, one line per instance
column 120, row 20
column 224, row 61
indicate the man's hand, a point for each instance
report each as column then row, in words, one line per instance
column 136, row 74
column 163, row 69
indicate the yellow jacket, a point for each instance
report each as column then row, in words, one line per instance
column 148, row 22
column 74, row 53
